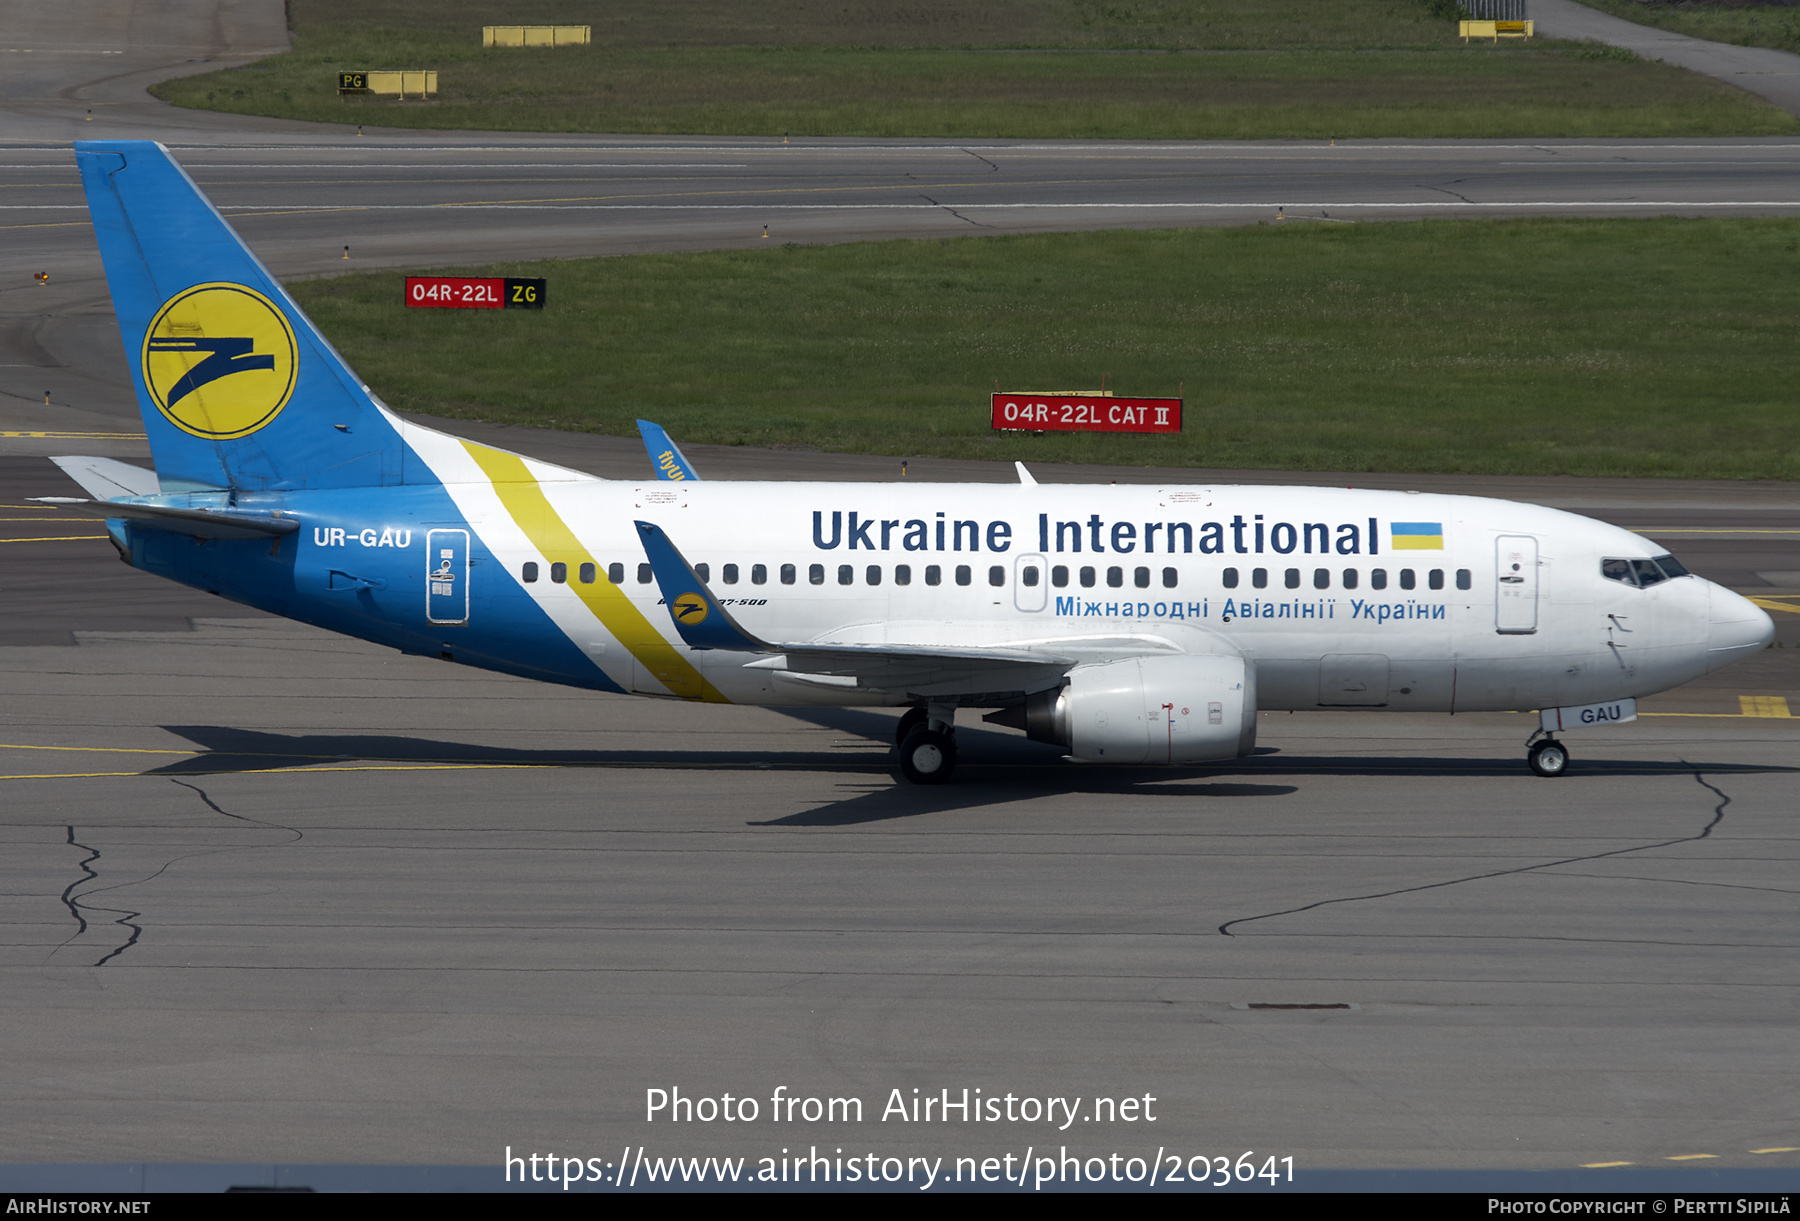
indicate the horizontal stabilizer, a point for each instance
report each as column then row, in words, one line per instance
column 202, row 523
column 104, row 478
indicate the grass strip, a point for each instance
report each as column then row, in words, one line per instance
column 1747, row 25
column 1063, row 68
column 1584, row 347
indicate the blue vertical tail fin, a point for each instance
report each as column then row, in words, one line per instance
column 238, row 389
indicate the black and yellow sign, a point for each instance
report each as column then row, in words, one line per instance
column 220, row 360
column 353, row 82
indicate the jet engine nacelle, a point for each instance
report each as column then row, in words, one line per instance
column 1181, row 709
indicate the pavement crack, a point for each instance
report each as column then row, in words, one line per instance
column 1449, row 192
column 983, row 160
column 68, row 895
column 218, row 809
column 79, row 905
column 952, row 211
column 1704, row 832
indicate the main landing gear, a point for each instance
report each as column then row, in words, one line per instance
column 1547, row 757
column 927, row 740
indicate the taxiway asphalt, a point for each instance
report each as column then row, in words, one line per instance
column 273, row 895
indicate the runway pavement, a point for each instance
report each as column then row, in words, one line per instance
column 268, row 895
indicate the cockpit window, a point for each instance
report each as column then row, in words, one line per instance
column 1643, row 573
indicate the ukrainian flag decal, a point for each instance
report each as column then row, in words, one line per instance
column 1417, row 535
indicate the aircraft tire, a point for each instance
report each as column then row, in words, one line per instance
column 927, row 757
column 1549, row 758
column 910, row 720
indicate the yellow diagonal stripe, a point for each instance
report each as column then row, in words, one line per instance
column 1764, row 705
column 1777, row 604
column 532, row 510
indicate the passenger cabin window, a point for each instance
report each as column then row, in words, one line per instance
column 1291, row 578
column 645, row 576
column 1087, row 578
column 587, row 574
column 1230, row 577
column 1115, row 577
column 1059, row 576
column 964, row 575
column 1407, row 580
column 789, row 574
column 903, row 574
column 1140, row 577
column 934, row 575
column 1436, row 579
column 615, row 572
column 1377, row 578
column 997, row 576
column 816, row 574
column 1321, row 578
column 759, row 574
column 730, row 573
column 1350, row 578
column 528, row 573
column 1028, row 576
column 1464, row 579
column 704, row 572
column 559, row 572
column 846, row 573
column 1171, row 578
column 873, row 575
column 1259, row 577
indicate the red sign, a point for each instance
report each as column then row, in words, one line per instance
column 468, row 292
column 1085, row 413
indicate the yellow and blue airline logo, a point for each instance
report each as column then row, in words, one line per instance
column 220, row 360
column 1417, row 535
column 690, row 609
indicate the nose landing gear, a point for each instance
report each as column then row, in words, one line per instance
column 1547, row 757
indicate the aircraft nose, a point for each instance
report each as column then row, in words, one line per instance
column 1738, row 628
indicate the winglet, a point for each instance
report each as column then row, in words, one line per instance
column 1025, row 475
column 698, row 617
column 665, row 455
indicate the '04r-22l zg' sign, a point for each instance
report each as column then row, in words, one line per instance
column 469, row 292
column 1084, row 413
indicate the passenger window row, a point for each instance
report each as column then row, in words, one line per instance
column 1350, row 578
column 1087, row 577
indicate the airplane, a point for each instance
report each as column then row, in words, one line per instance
column 1125, row 624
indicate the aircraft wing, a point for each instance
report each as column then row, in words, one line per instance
column 906, row 669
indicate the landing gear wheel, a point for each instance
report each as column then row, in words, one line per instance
column 910, row 720
column 927, row 756
column 1549, row 758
